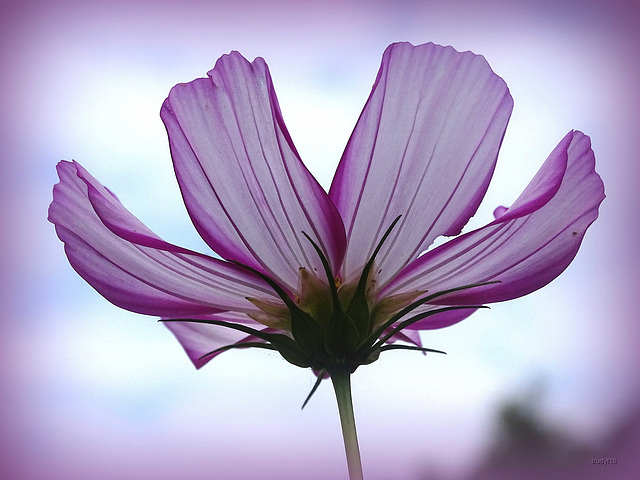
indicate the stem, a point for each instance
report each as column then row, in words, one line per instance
column 342, row 386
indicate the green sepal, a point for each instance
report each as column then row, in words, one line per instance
column 307, row 333
column 314, row 388
column 314, row 298
column 410, row 347
column 305, row 330
column 284, row 344
column 412, row 306
column 370, row 357
column 358, row 309
column 276, row 288
column 404, row 324
column 342, row 335
column 328, row 273
column 266, row 346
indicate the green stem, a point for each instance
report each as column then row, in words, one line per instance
column 342, row 386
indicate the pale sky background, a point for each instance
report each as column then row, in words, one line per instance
column 91, row 391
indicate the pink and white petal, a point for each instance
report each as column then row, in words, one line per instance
column 425, row 147
column 132, row 267
column 198, row 339
column 406, row 335
column 439, row 320
column 247, row 191
column 528, row 245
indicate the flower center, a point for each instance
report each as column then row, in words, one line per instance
column 334, row 327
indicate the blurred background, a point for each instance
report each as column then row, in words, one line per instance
column 538, row 387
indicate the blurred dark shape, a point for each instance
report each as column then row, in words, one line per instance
column 527, row 447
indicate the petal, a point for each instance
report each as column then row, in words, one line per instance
column 528, row 245
column 406, row 335
column 245, row 187
column 198, row 339
column 132, row 267
column 424, row 147
column 439, row 320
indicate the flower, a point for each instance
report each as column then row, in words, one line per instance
column 330, row 280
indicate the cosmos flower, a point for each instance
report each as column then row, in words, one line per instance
column 331, row 280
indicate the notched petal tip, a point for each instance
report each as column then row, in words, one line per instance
column 235, row 59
